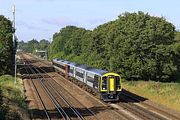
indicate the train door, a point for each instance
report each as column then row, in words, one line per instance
column 111, row 83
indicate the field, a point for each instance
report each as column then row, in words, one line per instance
column 12, row 105
column 167, row 94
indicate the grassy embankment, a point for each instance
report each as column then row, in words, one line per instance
column 12, row 105
column 167, row 94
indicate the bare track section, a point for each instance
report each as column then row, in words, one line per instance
column 51, row 111
column 151, row 106
column 48, row 110
column 66, row 114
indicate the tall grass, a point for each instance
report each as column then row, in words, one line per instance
column 11, row 98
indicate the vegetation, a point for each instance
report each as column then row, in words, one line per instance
column 11, row 96
column 33, row 45
column 177, row 37
column 12, row 105
column 136, row 45
column 167, row 94
column 6, row 46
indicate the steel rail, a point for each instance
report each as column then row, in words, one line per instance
column 77, row 113
column 68, row 103
column 65, row 100
column 153, row 107
column 62, row 89
column 59, row 111
column 41, row 101
column 140, row 111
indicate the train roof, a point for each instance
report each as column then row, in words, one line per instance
column 90, row 69
column 82, row 67
column 57, row 60
column 98, row 71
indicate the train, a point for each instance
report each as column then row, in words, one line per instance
column 108, row 84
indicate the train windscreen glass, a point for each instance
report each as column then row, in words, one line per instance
column 117, row 78
column 104, row 83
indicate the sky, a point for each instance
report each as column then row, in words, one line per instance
column 40, row 19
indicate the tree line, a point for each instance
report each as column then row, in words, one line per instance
column 135, row 45
column 33, row 45
column 6, row 46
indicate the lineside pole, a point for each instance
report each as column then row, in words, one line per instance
column 14, row 43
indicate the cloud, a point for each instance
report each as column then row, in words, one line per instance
column 26, row 25
column 29, row 26
column 59, row 22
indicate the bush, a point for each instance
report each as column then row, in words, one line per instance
column 11, row 99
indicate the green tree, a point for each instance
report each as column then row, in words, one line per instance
column 177, row 37
column 43, row 44
column 6, row 46
column 136, row 45
column 141, row 46
column 31, row 45
column 67, row 40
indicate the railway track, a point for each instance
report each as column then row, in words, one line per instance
column 151, row 107
column 59, row 88
column 45, row 113
column 39, row 87
column 140, row 112
column 55, row 86
column 65, row 109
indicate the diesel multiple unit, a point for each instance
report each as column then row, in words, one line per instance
column 108, row 84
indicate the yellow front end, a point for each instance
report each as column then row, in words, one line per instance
column 110, row 86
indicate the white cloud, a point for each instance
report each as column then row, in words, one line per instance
column 29, row 26
column 59, row 22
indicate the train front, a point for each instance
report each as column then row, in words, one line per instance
column 110, row 86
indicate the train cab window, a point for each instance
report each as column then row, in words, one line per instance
column 104, row 83
column 117, row 78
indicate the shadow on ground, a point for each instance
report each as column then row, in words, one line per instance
column 129, row 97
column 40, row 114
